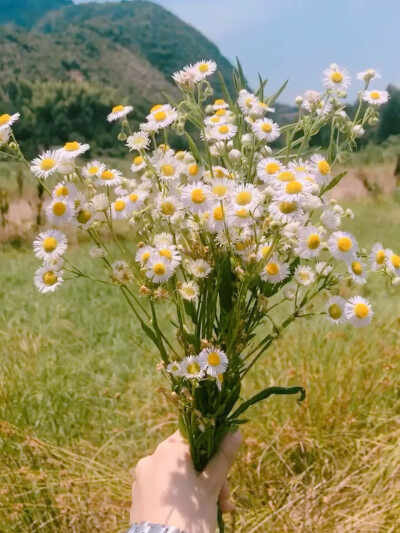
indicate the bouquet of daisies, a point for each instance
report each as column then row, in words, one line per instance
column 226, row 242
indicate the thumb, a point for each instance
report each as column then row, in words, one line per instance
column 217, row 469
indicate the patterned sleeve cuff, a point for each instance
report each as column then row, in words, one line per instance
column 147, row 527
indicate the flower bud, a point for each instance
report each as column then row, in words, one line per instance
column 235, row 155
column 275, row 225
column 246, row 138
column 13, row 146
column 209, row 110
column 122, row 136
column 229, row 145
column 299, row 100
column 131, row 222
column 358, row 131
column 343, row 157
column 373, row 121
column 266, row 151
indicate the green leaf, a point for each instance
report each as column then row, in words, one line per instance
column 190, row 310
column 260, row 90
column 263, row 395
column 272, row 99
column 149, row 332
column 334, row 182
column 241, row 74
column 225, row 91
column 193, row 146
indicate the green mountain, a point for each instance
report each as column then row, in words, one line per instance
column 64, row 65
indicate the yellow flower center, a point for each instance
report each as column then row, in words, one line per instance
column 49, row 244
column 107, row 175
column 287, row 207
column 193, row 169
column 159, row 269
column 219, row 173
column 374, row 95
column 4, row 119
column 224, row 129
column 337, row 77
column 50, row 277
column 47, row 164
column 243, row 198
column 133, row 197
column 272, row 168
column 361, row 310
column 203, row 67
column 198, row 196
column 155, row 108
column 293, row 187
column 242, row 213
column 356, row 267
column 159, row 116
column 380, row 257
column 219, row 101
column 220, row 112
column 167, row 208
column 62, row 191
column 272, row 269
column 218, row 213
column 213, row 359
column 286, row 176
column 220, row 190
column 265, row 251
column 84, row 216
column 93, row 170
column 119, row 205
column 220, row 378
column 215, row 119
column 145, row 256
column 344, row 244
column 167, row 170
column 301, row 169
column 138, row 160
column 118, row 108
column 313, row 241
column 323, row 167
column 266, row 127
column 193, row 368
column 166, row 253
column 395, row 260
column 335, row 311
column 248, row 102
column 71, row 147
column 59, row 209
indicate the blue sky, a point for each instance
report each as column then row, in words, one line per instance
column 297, row 39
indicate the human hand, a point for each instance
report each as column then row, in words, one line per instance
column 169, row 491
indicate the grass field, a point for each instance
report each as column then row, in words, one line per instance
column 79, row 405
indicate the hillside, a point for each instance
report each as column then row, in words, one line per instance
column 28, row 12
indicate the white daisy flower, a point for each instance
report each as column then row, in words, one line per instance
column 300, row 168
column 264, row 251
column 375, row 98
column 5, row 136
column 159, row 269
column 393, row 262
column 198, row 268
column 110, row 178
column 169, row 169
column 219, row 216
column 219, row 103
column 50, row 244
column 93, row 169
column 377, row 257
column 336, row 78
column 286, row 212
column 194, row 171
column 65, row 189
column 168, row 205
column 139, row 140
column 244, row 217
column 309, row 244
column 323, row 269
column 185, row 77
column 268, row 168
column 213, row 361
column 189, row 291
column 135, row 199
column 335, row 310
column 174, row 368
column 246, row 100
column 169, row 253
column 342, row 245
column 258, row 110
column 163, row 239
column 196, row 197
column 85, row 216
column 358, row 311
column 47, row 279
column 274, row 271
column 6, row 121
column 73, row 149
column 100, row 202
column 144, row 253
column 60, row 210
column 190, row 368
column 204, row 68
column 138, row 163
column 296, row 190
column 330, row 219
column 120, row 209
column 265, row 129
column 245, row 195
column 45, row 165
column 304, row 275
column 66, row 168
column 224, row 132
column 161, row 116
column 368, row 75
column 221, row 187
column 357, row 272
column 320, row 169
column 118, row 112
column 215, row 121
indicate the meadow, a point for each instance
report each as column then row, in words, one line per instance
column 80, row 403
